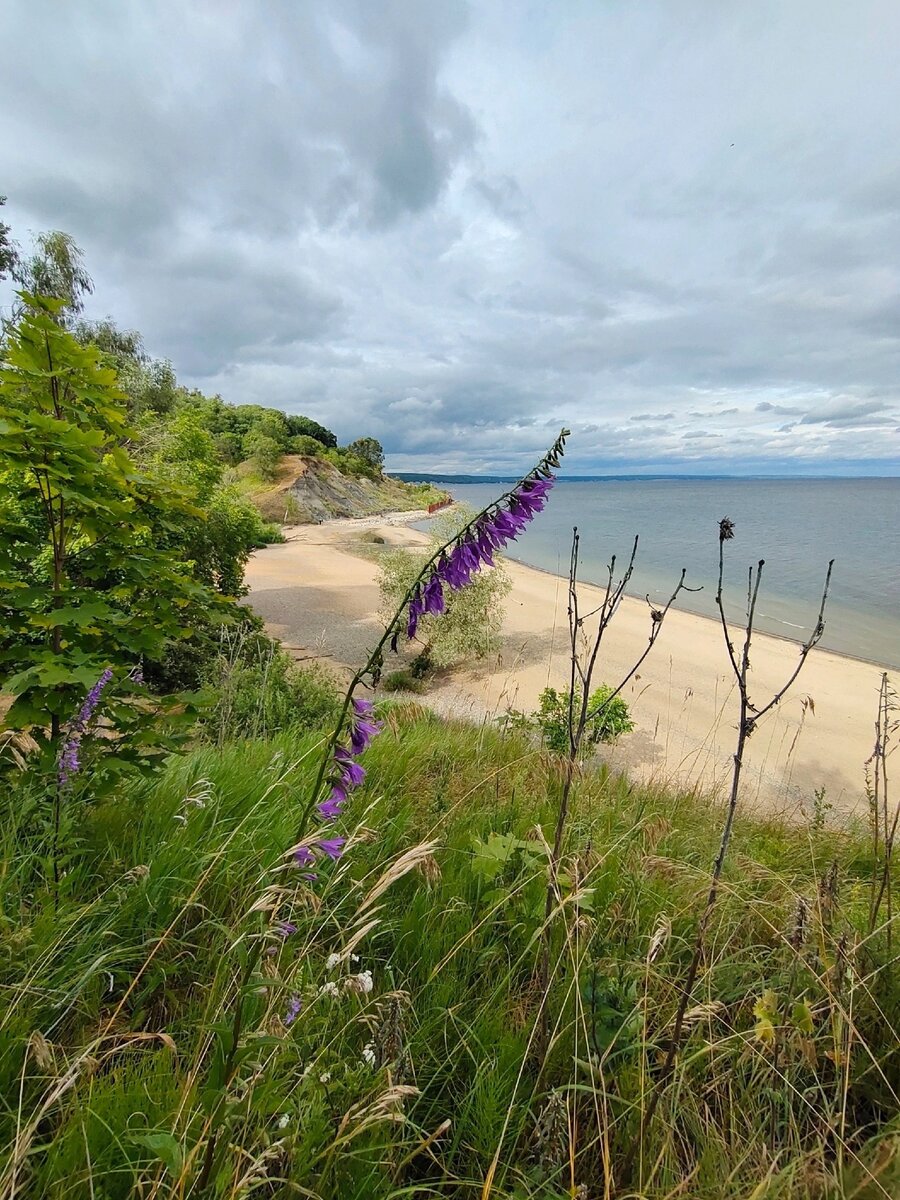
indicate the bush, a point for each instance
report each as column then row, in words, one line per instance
column 303, row 443
column 470, row 625
column 259, row 691
column 264, row 452
column 402, row 681
column 552, row 717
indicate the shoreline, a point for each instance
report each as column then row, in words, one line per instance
column 780, row 637
column 318, row 594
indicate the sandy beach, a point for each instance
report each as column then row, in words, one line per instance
column 319, row 596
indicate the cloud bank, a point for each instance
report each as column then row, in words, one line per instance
column 673, row 226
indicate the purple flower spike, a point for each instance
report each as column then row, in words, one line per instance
column 333, row 847
column 295, row 1004
column 434, row 595
column 362, row 707
column 362, row 733
column 352, row 774
column 69, row 757
column 330, row 809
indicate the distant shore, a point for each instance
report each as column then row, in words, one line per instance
column 320, row 597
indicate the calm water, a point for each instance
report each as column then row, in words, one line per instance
column 795, row 525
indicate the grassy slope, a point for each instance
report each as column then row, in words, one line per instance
column 128, row 979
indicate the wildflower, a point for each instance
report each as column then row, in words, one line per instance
column 361, row 984
column 69, row 757
column 303, row 856
column 368, row 1054
column 293, row 1010
column 333, row 847
column 332, row 961
column 490, row 532
column 284, row 1120
column 331, row 808
column 284, row 929
column 325, row 1077
column 352, row 774
column 329, row 989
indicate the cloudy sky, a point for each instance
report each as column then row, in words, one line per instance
column 673, row 225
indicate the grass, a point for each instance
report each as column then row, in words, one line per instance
column 117, row 993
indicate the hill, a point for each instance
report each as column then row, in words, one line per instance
column 308, row 490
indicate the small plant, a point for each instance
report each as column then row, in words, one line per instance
column 608, row 717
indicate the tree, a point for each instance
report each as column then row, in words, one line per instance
column 369, row 450
column 470, row 625
column 8, row 253
column 306, row 427
column 264, row 452
column 56, row 270
column 87, row 582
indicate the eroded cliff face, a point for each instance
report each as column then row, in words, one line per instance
column 311, row 490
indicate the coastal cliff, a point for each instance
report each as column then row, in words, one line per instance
column 310, row 490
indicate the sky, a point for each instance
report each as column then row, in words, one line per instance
column 672, row 225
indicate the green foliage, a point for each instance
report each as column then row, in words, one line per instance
column 113, row 998
column 303, row 443
column 87, row 582
column 55, row 270
column 610, row 719
column 369, row 449
column 264, row 452
column 8, row 252
column 305, row 427
column 261, row 691
column 471, row 623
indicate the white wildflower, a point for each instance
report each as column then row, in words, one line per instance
column 369, row 1055
column 332, row 961
column 325, row 1077
column 283, row 1121
column 362, row 984
column 329, row 989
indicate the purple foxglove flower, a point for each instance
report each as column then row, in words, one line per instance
column 69, row 757
column 434, row 595
column 333, row 847
column 295, row 1004
column 352, row 774
column 330, row 809
column 304, row 857
column 362, row 733
column 362, row 707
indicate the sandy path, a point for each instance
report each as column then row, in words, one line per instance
column 320, row 598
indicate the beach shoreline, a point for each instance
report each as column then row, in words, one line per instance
column 318, row 594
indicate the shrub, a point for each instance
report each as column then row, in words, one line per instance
column 470, row 625
column 552, row 717
column 264, row 452
column 259, row 690
column 303, row 443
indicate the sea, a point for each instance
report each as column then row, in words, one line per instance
column 795, row 525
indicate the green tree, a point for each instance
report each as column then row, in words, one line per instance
column 86, row 582
column 299, row 426
column 369, row 449
column 8, row 253
column 264, row 452
column 55, row 270
column 470, row 625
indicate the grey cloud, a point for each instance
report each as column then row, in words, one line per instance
column 456, row 227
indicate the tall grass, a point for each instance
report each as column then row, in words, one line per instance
column 112, row 1021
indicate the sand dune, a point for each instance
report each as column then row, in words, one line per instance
column 320, row 597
